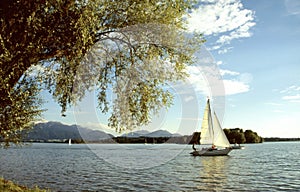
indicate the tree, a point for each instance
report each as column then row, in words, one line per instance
column 252, row 137
column 235, row 135
column 238, row 136
column 69, row 47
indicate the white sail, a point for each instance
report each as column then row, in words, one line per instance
column 212, row 134
column 206, row 137
column 220, row 138
column 211, row 130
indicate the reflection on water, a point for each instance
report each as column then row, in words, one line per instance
column 262, row 167
column 213, row 173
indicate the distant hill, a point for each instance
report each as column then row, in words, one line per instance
column 160, row 133
column 135, row 134
column 160, row 136
column 155, row 134
column 58, row 131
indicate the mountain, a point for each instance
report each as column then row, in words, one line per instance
column 160, row 133
column 135, row 134
column 93, row 135
column 58, row 131
column 144, row 133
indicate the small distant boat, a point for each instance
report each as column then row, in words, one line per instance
column 70, row 142
column 237, row 146
column 212, row 135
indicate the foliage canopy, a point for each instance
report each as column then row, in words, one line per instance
column 69, row 47
column 239, row 136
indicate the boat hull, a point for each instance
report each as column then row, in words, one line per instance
column 238, row 147
column 211, row 152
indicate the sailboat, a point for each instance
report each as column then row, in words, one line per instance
column 70, row 142
column 213, row 135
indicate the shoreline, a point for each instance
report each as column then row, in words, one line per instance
column 10, row 186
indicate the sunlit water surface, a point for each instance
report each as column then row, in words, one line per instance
column 165, row 167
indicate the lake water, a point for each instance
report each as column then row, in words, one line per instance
column 165, row 167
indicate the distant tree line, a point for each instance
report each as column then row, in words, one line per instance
column 239, row 136
column 277, row 139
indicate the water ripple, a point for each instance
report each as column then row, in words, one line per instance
column 263, row 167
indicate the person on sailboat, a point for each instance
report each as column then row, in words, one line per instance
column 213, row 147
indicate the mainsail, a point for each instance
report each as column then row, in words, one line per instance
column 206, row 128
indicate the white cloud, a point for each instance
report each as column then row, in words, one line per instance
column 291, row 97
column 224, row 50
column 198, row 80
column 291, row 94
column 209, row 81
column 228, row 72
column 206, row 78
column 188, row 98
column 233, row 87
column 241, row 32
column 227, row 18
column 291, row 89
column 274, row 104
column 295, row 101
column 278, row 111
column 219, row 62
column 293, row 6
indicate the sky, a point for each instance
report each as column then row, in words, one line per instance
column 249, row 67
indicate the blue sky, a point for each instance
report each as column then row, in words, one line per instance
column 263, row 52
column 252, row 77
